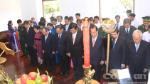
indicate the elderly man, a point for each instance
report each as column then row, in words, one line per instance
column 138, row 57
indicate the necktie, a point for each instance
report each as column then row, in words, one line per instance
column 114, row 43
column 73, row 38
column 137, row 47
column 127, row 30
column 93, row 42
column 59, row 36
column 45, row 38
column 27, row 30
column 117, row 26
column 67, row 27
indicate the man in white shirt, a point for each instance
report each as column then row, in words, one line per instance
column 146, row 35
column 97, row 22
column 77, row 15
column 134, row 21
column 128, row 12
column 67, row 23
column 118, row 22
column 59, row 20
column 54, row 22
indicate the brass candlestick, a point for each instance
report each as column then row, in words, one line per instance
column 88, row 72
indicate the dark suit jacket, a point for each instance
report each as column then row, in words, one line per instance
column 69, row 27
column 139, row 60
column 96, row 51
column 28, row 37
column 124, row 34
column 118, row 54
column 48, row 44
column 76, row 49
column 62, row 44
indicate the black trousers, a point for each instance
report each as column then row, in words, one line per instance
column 97, row 73
column 33, row 56
column 78, row 69
column 49, row 61
column 65, row 64
column 137, row 75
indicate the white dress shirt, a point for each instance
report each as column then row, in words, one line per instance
column 98, row 25
column 146, row 36
column 94, row 40
column 59, row 35
column 115, row 41
column 66, row 27
column 127, row 30
column 137, row 47
column 46, row 36
column 74, row 37
column 118, row 25
column 135, row 23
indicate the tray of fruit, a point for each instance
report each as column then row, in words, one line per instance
column 35, row 78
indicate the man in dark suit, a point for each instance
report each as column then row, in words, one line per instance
column 51, row 28
column 126, row 30
column 62, row 49
column 76, row 50
column 96, row 51
column 48, row 50
column 67, row 24
column 28, row 37
column 138, row 57
column 118, row 51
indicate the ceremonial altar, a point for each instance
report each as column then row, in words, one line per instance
column 31, row 78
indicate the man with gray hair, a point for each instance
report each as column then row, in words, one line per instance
column 138, row 58
column 126, row 30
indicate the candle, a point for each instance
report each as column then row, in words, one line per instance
column 86, row 43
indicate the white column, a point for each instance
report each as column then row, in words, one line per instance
column 142, row 8
column 31, row 8
column 9, row 10
column 84, row 7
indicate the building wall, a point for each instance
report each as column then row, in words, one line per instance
column 25, row 9
column 85, row 7
column 9, row 10
column 19, row 9
column 142, row 8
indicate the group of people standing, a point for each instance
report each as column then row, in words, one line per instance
column 60, row 41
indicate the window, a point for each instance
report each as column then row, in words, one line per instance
column 105, row 8
column 51, row 8
column 110, row 8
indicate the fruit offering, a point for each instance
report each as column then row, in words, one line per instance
column 34, row 78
